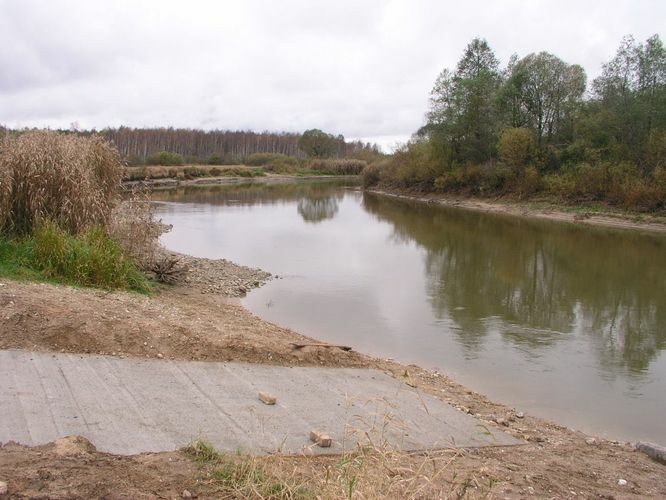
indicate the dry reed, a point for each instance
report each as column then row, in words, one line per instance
column 71, row 180
column 5, row 192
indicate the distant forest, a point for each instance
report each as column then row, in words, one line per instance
column 534, row 127
column 137, row 145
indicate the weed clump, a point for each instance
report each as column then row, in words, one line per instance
column 165, row 158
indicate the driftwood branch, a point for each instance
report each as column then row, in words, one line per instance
column 315, row 344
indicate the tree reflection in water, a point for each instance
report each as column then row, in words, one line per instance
column 537, row 282
column 315, row 209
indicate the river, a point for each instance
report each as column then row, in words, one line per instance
column 561, row 321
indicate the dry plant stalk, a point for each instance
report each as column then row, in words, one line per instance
column 5, row 193
column 134, row 226
column 71, row 180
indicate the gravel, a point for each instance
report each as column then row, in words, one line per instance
column 219, row 276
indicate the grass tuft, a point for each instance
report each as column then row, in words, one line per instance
column 203, row 452
column 90, row 258
column 242, row 476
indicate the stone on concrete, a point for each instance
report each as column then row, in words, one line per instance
column 321, row 439
column 267, row 398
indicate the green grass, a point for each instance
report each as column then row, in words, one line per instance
column 91, row 259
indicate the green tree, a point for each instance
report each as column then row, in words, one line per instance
column 318, row 144
column 462, row 107
column 545, row 93
column 630, row 99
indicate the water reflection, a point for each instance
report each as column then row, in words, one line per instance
column 254, row 193
column 317, row 200
column 562, row 321
column 318, row 209
column 537, row 283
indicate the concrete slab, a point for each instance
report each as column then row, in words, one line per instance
column 128, row 406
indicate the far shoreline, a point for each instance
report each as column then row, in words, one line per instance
column 171, row 183
column 539, row 209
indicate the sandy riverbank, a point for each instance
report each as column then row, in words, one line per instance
column 594, row 216
column 170, row 183
column 199, row 320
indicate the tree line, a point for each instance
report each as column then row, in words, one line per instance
column 535, row 126
column 139, row 145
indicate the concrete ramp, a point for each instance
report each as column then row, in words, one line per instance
column 128, row 406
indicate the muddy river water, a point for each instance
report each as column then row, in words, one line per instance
column 557, row 320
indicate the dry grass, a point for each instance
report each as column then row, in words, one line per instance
column 367, row 473
column 73, row 181
column 368, row 467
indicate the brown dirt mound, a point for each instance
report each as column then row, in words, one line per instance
column 178, row 323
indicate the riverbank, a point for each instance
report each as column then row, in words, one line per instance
column 582, row 215
column 170, row 183
column 197, row 321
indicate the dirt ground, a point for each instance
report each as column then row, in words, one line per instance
column 189, row 322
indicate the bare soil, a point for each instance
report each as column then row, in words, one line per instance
column 191, row 323
column 594, row 216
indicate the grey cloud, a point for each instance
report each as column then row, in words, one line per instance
column 361, row 69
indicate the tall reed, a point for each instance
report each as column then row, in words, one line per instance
column 68, row 179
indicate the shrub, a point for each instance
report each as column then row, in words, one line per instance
column 165, row 158
column 157, row 172
column 516, row 147
column 413, row 165
column 460, row 179
column 191, row 172
column 371, row 175
column 528, row 182
column 71, row 180
column 134, row 173
column 134, row 161
column 134, row 227
column 283, row 166
column 215, row 160
column 261, row 159
column 337, row 167
column 656, row 149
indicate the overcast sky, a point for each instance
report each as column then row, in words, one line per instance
column 363, row 69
